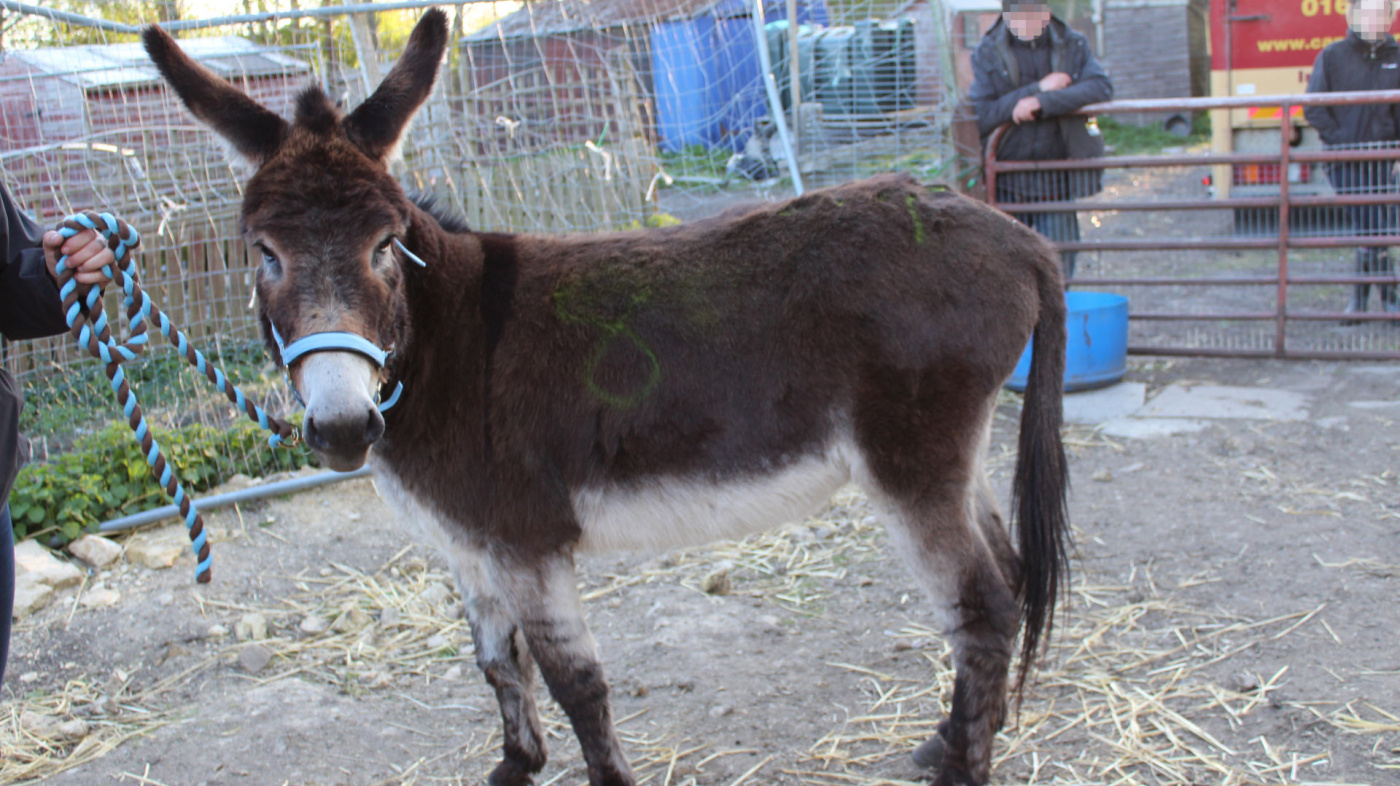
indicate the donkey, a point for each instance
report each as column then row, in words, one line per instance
column 655, row 388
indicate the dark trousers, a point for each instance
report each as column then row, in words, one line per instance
column 7, row 584
column 1034, row 187
column 1369, row 177
column 1366, row 177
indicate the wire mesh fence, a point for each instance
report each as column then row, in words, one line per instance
column 555, row 116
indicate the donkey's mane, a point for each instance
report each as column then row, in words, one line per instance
column 445, row 216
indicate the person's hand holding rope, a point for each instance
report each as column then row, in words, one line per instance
column 88, row 253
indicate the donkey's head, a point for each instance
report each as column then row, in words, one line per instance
column 323, row 213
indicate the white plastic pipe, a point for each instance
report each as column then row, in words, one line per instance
column 775, row 105
column 277, row 489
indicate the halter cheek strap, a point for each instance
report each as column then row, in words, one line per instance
column 334, row 341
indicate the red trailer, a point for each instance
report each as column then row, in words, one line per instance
column 1267, row 47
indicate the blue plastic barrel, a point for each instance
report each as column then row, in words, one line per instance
column 1096, row 350
column 681, row 55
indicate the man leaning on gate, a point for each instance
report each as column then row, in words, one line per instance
column 1033, row 70
column 1367, row 59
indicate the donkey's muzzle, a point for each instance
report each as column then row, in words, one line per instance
column 342, row 420
column 344, row 439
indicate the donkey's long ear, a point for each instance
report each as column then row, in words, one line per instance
column 254, row 131
column 377, row 125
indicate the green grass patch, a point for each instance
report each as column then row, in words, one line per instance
column 696, row 161
column 1128, row 139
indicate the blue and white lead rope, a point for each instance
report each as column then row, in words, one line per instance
column 88, row 324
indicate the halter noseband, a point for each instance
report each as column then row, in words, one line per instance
column 334, row 341
column 339, row 341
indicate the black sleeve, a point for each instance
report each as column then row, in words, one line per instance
column 1321, row 117
column 1091, row 86
column 29, row 302
column 993, row 110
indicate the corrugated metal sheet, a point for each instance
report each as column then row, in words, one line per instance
column 122, row 65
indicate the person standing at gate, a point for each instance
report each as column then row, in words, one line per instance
column 1367, row 59
column 29, row 308
column 1033, row 70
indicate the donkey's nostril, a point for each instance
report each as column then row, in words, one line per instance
column 375, row 428
column 313, row 435
column 343, row 433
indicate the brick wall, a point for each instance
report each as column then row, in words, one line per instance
column 1154, row 49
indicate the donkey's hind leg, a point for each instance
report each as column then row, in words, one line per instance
column 931, row 753
column 553, row 623
column 976, row 609
column 504, row 659
column 929, row 483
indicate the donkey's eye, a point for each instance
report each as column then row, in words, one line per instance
column 269, row 259
column 382, row 256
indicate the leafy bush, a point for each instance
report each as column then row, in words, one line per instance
column 106, row 476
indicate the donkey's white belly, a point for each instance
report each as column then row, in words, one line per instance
column 659, row 513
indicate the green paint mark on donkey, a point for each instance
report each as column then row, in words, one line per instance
column 920, row 236
column 608, row 303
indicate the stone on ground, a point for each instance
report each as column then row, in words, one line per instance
column 30, row 595
column 95, row 550
column 157, row 549
column 251, row 626
column 33, row 559
column 254, row 658
column 100, row 597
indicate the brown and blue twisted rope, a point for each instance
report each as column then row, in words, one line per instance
column 87, row 320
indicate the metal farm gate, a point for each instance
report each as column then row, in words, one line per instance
column 1249, row 253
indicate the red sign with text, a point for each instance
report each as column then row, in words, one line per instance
column 1275, row 33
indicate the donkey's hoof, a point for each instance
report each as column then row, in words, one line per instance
column 952, row 776
column 508, row 773
column 929, row 755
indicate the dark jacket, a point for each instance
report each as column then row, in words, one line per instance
column 1353, row 63
column 997, row 86
column 29, row 308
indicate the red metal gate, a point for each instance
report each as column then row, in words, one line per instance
column 1194, row 265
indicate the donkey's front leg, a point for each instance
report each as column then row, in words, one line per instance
column 568, row 658
column 504, row 658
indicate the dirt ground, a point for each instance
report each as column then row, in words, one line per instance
column 1233, row 621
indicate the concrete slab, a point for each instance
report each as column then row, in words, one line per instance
column 1150, row 428
column 1093, row 407
column 1214, row 402
column 1393, row 368
column 1374, row 404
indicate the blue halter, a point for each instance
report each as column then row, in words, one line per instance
column 333, row 342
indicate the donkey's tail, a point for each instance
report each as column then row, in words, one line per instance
column 1042, row 476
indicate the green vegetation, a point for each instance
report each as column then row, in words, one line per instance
column 79, row 397
column 696, row 162
column 656, row 221
column 106, row 476
column 1129, row 139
